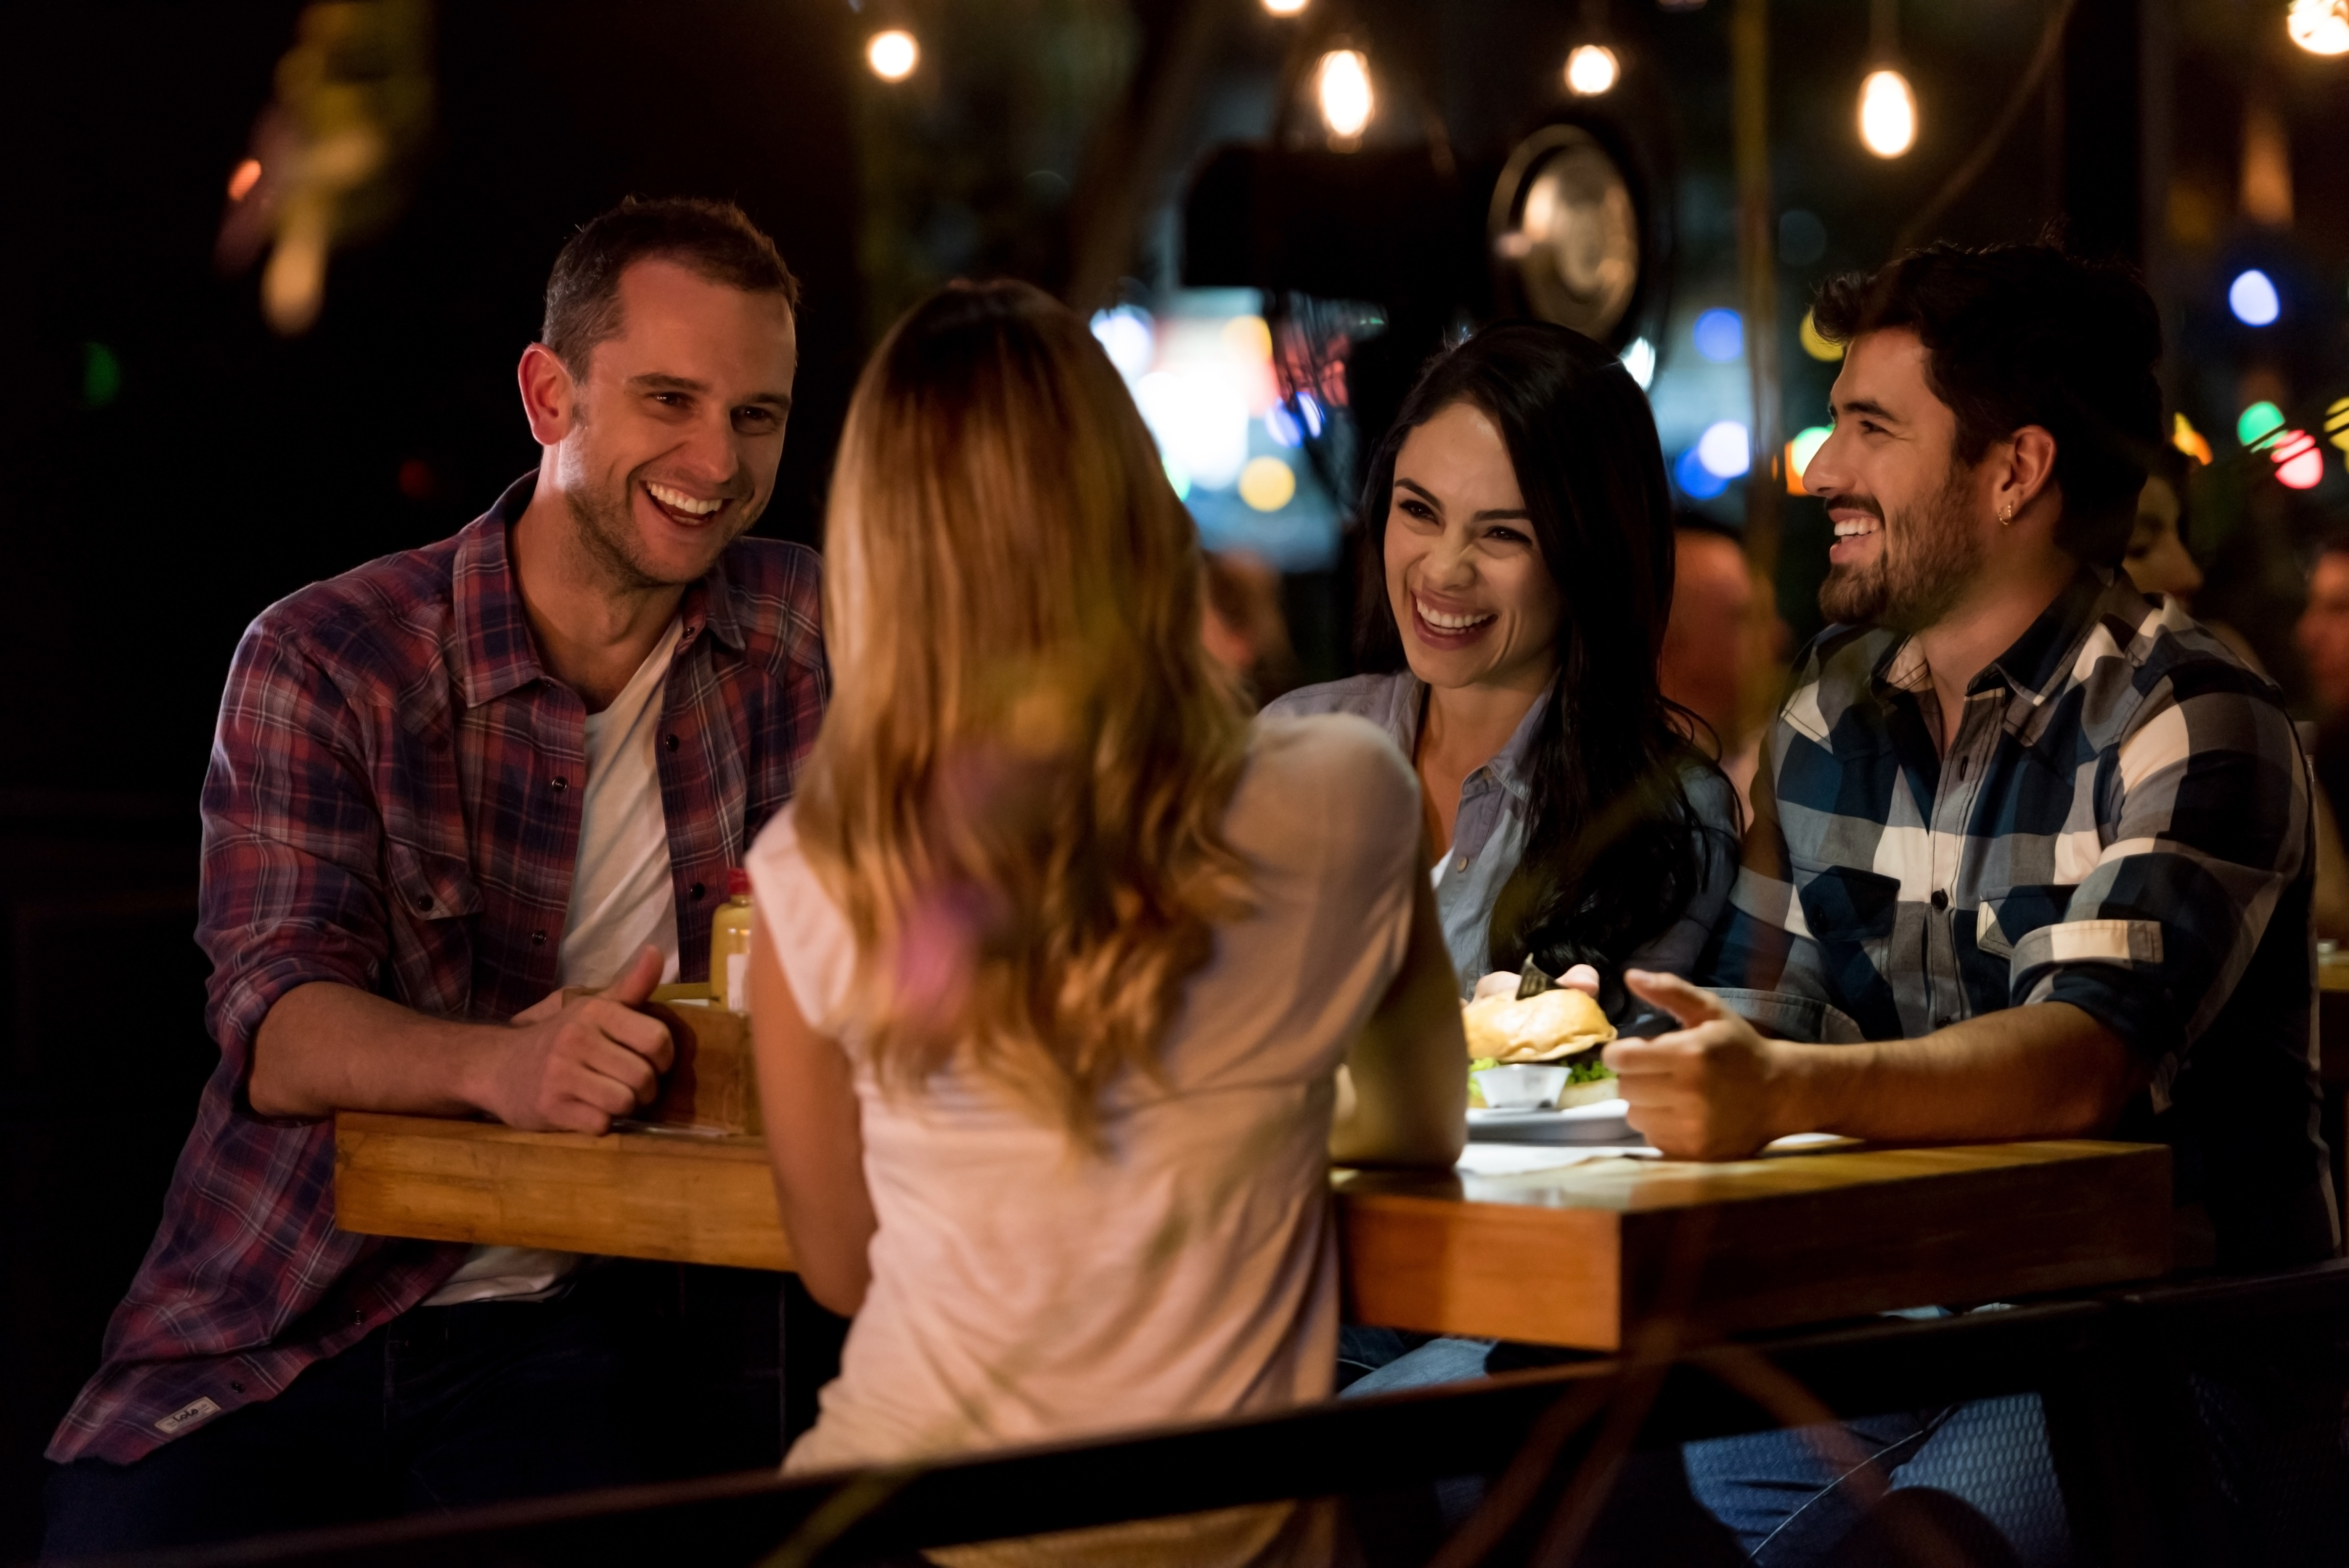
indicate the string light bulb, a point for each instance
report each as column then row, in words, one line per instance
column 1888, row 113
column 1887, row 104
column 1343, row 84
column 892, row 55
column 2320, row 27
column 1592, row 70
column 1283, row 8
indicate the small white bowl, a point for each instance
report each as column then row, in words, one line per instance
column 1521, row 1086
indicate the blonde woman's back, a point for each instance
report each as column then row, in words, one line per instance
column 1029, row 1285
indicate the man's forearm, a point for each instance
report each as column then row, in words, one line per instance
column 2047, row 1070
column 326, row 1047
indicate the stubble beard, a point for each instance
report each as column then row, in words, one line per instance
column 607, row 533
column 1927, row 557
column 605, row 511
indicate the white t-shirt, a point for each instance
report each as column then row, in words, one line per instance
column 1025, row 1289
column 622, row 897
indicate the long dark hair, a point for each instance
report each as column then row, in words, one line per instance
column 1614, row 851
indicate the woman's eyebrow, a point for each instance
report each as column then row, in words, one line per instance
column 1423, row 492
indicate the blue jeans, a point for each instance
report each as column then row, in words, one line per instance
column 445, row 1407
column 1791, row 1497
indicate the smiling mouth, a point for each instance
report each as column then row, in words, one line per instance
column 1855, row 527
column 1448, row 625
column 683, row 508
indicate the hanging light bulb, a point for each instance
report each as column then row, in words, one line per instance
column 1592, row 70
column 892, row 54
column 1342, row 83
column 1888, row 113
column 1283, row 8
column 1887, row 106
column 2320, row 27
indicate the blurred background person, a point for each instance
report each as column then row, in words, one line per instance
column 1063, row 956
column 2322, row 634
column 1242, row 623
column 2158, row 561
column 1725, row 648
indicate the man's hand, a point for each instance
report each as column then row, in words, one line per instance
column 1707, row 1091
column 579, row 1059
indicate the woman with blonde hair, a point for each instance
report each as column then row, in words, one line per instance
column 1059, row 960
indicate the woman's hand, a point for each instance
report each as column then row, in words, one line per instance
column 1581, row 978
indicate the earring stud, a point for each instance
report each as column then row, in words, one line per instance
column 2006, row 514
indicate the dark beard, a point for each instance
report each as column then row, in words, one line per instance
column 1927, row 557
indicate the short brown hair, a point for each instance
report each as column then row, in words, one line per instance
column 716, row 239
column 2025, row 335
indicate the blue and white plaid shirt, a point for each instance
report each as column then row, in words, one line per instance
column 2123, row 823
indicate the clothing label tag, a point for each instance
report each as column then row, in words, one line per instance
column 738, row 983
column 185, row 1416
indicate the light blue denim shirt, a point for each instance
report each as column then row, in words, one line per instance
column 1488, row 835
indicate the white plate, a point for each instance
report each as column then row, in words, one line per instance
column 1602, row 1123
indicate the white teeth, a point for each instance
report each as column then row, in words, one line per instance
column 1442, row 622
column 1855, row 527
column 678, row 500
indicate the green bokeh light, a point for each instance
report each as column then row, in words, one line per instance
column 101, row 375
column 2258, row 424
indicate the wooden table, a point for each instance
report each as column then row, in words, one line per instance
column 1568, row 1257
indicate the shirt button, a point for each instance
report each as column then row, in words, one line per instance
column 423, row 906
column 560, row 782
column 1941, row 899
column 668, row 742
column 538, row 939
column 696, row 890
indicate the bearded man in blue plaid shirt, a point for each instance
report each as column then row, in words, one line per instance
column 2031, row 853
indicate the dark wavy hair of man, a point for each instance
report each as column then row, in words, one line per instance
column 1614, row 850
column 2021, row 335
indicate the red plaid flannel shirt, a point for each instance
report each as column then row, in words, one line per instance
column 392, row 806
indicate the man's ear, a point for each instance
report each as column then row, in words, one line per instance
column 549, row 396
column 2024, row 470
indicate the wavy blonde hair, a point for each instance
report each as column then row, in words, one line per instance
column 1017, row 794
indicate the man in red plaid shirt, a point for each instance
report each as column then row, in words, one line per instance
column 446, row 787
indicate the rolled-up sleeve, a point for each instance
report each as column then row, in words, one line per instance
column 292, row 840
column 2209, row 829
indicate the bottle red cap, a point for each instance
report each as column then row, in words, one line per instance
column 738, row 883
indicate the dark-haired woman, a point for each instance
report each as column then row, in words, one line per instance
column 1517, row 578
column 1517, row 575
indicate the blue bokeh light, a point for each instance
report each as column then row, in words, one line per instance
column 1720, row 335
column 2252, row 298
column 1289, row 422
column 1697, row 482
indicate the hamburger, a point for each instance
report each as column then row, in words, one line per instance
column 1549, row 1026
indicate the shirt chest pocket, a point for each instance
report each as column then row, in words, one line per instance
column 2003, row 921
column 429, row 886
